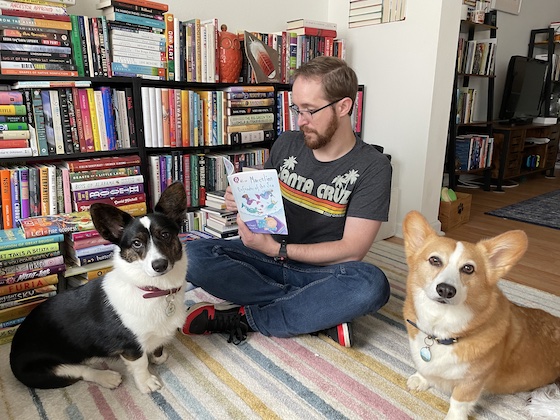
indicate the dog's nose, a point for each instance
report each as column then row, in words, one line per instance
column 160, row 265
column 445, row 290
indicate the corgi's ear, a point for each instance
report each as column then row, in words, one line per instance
column 109, row 221
column 416, row 230
column 504, row 251
column 173, row 203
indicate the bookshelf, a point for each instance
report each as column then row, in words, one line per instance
column 542, row 45
column 474, row 67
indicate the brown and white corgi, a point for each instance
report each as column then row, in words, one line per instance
column 131, row 312
column 465, row 336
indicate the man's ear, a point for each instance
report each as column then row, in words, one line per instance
column 345, row 106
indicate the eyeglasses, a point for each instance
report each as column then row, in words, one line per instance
column 308, row 115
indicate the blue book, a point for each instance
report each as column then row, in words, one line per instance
column 15, row 238
column 109, row 117
column 139, row 20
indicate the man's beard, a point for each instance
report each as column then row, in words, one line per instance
column 314, row 140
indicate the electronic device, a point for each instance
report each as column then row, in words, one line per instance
column 523, row 91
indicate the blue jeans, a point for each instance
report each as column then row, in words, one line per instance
column 285, row 299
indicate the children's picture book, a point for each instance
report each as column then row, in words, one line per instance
column 38, row 226
column 259, row 200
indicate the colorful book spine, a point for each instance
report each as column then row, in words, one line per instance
column 116, row 191
column 108, row 182
column 39, row 119
column 29, row 258
column 32, row 274
column 10, row 289
column 9, row 254
column 103, row 163
column 138, row 20
column 89, row 143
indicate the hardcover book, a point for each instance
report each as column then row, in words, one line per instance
column 56, row 223
column 259, row 200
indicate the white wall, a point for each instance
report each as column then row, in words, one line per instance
column 407, row 68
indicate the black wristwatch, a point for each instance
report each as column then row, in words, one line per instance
column 283, row 253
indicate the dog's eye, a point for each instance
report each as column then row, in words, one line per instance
column 468, row 269
column 137, row 244
column 165, row 235
column 435, row 261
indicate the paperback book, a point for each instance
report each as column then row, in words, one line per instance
column 259, row 201
column 38, row 226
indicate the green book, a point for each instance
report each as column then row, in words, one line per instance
column 77, row 45
column 8, row 254
column 15, row 238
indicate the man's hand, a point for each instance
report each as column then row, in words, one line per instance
column 262, row 242
column 230, row 202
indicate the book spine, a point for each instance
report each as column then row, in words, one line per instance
column 16, row 204
column 15, row 135
column 6, row 196
column 76, row 236
column 57, row 122
column 13, row 144
column 48, row 118
column 65, row 122
column 37, row 8
column 93, row 112
column 9, row 254
column 88, row 142
column 23, row 242
column 10, row 289
column 116, row 191
column 16, row 152
column 77, row 45
column 103, row 163
column 162, row 7
column 34, row 193
column 39, row 120
column 72, row 120
column 23, row 174
column 89, row 259
column 97, row 174
column 101, row 121
column 138, row 20
column 88, row 242
column 96, row 249
column 29, row 266
column 8, row 301
column 44, row 189
column 107, row 103
column 107, row 182
column 21, row 311
column 251, row 136
column 36, row 23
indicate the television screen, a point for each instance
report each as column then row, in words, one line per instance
column 523, row 91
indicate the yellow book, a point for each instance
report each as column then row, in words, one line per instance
column 135, row 209
column 12, row 110
column 94, row 121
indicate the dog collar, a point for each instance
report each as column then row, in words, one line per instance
column 425, row 352
column 155, row 292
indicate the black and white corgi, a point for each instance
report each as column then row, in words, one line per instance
column 131, row 312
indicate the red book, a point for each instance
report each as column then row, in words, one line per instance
column 86, row 121
column 146, row 3
column 79, row 119
column 35, row 15
column 305, row 30
column 12, row 144
column 103, row 162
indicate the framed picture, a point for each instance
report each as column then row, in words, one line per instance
column 508, row 6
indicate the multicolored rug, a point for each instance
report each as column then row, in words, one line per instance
column 305, row 377
column 543, row 210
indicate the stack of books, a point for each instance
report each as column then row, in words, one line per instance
column 36, row 39
column 250, row 114
column 137, row 30
column 14, row 128
column 110, row 180
column 76, row 253
column 216, row 220
column 30, row 269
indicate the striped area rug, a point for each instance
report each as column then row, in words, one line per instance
column 299, row 378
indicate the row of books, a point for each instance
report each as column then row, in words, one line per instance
column 199, row 173
column 65, row 187
column 476, row 57
column 67, row 120
column 466, row 102
column 473, row 151
column 183, row 117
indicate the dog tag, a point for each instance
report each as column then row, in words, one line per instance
column 170, row 309
column 425, row 354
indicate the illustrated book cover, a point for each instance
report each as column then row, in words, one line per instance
column 38, row 226
column 259, row 200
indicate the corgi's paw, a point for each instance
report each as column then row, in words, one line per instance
column 417, row 382
column 159, row 356
column 107, row 378
column 151, row 384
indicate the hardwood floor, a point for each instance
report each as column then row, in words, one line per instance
column 540, row 266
